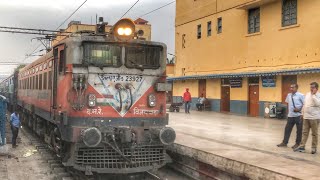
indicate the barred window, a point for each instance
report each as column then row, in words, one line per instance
column 289, row 12
column 183, row 41
column 45, row 80
column 254, row 20
column 40, row 82
column 50, row 80
column 199, row 31
column 209, row 28
column 219, row 25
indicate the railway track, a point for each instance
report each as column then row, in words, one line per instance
column 63, row 173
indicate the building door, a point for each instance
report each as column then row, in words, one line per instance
column 254, row 100
column 286, row 82
column 202, row 87
column 225, row 98
column 253, row 96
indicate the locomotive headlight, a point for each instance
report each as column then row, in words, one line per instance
column 121, row 31
column 127, row 31
column 124, row 30
column 152, row 100
column 92, row 100
column 91, row 137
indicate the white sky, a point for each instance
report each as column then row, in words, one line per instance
column 49, row 14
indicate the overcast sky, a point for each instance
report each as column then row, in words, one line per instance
column 49, row 14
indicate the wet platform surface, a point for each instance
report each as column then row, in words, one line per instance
column 245, row 139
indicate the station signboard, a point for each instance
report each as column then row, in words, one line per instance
column 235, row 82
column 268, row 81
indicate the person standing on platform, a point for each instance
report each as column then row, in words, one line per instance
column 187, row 100
column 295, row 104
column 311, row 117
column 15, row 125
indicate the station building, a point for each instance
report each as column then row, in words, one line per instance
column 241, row 54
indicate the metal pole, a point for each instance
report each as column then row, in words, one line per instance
column 3, row 109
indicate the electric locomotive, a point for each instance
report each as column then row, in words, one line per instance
column 99, row 100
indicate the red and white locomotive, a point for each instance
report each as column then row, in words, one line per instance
column 99, row 101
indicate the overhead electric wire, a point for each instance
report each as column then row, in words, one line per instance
column 61, row 24
column 157, row 9
column 129, row 9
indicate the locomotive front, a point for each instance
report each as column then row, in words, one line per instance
column 113, row 113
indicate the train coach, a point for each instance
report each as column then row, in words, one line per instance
column 99, row 101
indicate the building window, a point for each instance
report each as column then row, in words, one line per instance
column 199, row 31
column 289, row 12
column 219, row 25
column 183, row 41
column 209, row 28
column 254, row 20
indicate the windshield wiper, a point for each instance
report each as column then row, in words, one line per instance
column 138, row 66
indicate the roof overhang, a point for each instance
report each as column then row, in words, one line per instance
column 255, row 3
column 247, row 74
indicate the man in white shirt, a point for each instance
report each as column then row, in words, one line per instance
column 311, row 117
column 200, row 102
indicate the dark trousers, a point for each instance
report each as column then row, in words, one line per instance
column 187, row 106
column 199, row 106
column 15, row 132
column 290, row 123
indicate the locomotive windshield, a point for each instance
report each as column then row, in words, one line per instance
column 146, row 57
column 110, row 55
column 102, row 55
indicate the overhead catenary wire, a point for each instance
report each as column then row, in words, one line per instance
column 129, row 9
column 158, row 8
column 61, row 24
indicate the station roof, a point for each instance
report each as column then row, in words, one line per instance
column 247, row 74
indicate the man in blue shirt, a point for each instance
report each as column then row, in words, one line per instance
column 295, row 103
column 15, row 125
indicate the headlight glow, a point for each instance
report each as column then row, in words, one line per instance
column 128, row 31
column 121, row 31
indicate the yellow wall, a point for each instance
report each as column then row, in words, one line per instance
column 233, row 50
column 180, row 87
column 272, row 94
column 240, row 93
column 305, row 80
column 213, row 89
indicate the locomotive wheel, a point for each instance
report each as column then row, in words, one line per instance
column 56, row 141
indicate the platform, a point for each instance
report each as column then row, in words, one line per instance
column 242, row 145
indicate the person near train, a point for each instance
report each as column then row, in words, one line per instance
column 187, row 100
column 295, row 104
column 15, row 125
column 311, row 118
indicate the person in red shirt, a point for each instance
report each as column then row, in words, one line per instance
column 187, row 100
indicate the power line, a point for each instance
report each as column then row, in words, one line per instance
column 61, row 24
column 129, row 9
column 157, row 9
column 71, row 14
